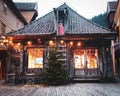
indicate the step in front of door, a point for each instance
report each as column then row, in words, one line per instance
column 87, row 79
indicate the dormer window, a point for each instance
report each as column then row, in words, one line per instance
column 61, row 20
column 61, row 17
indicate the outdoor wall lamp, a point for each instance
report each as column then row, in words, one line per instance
column 61, row 41
column 3, row 41
column 79, row 44
column 71, row 43
column 29, row 42
column 51, row 43
column 18, row 44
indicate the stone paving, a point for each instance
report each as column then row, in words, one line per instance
column 74, row 89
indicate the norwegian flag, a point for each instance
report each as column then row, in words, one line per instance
column 60, row 29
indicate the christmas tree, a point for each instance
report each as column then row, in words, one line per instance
column 54, row 72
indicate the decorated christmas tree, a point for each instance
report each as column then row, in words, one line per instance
column 54, row 72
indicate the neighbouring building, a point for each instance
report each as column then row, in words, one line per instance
column 86, row 46
column 28, row 10
column 117, row 43
column 11, row 18
column 111, row 8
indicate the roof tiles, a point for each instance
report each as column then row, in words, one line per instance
column 76, row 25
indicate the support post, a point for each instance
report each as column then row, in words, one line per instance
column 113, row 57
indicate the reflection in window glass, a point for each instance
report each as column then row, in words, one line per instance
column 79, row 58
column 85, row 58
column 91, row 58
column 35, row 58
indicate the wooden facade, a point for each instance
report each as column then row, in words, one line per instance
column 117, row 43
column 111, row 8
column 11, row 18
column 86, row 47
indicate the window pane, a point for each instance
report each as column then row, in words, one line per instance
column 92, row 58
column 35, row 58
column 79, row 58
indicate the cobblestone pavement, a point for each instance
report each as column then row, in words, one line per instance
column 75, row 89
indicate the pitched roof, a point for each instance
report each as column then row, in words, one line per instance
column 111, row 6
column 26, row 6
column 13, row 7
column 76, row 25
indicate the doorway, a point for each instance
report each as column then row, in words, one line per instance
column 86, row 62
column 3, row 63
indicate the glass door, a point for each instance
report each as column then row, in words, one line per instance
column 79, row 60
column 92, row 62
column 86, row 62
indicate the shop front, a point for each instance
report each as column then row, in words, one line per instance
column 86, row 47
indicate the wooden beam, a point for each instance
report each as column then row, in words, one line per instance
column 113, row 57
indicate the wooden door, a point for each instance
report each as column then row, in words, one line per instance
column 86, row 62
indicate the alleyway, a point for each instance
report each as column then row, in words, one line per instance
column 75, row 89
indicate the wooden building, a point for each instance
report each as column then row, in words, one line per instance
column 28, row 10
column 85, row 45
column 117, row 43
column 111, row 8
column 11, row 19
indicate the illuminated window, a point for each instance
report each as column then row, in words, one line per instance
column 35, row 58
column 92, row 58
column 79, row 58
column 85, row 58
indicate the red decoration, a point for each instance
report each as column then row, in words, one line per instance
column 60, row 29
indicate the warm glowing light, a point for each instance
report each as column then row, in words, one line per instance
column 29, row 42
column 35, row 58
column 51, row 43
column 1, row 43
column 79, row 44
column 71, row 43
column 18, row 44
column 61, row 41
column 10, row 42
column 5, row 40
